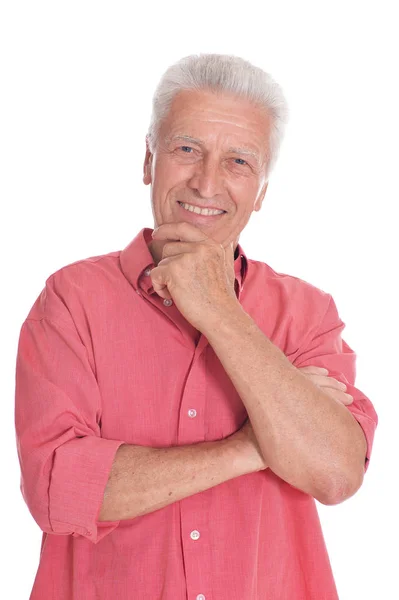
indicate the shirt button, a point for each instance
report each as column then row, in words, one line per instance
column 167, row 302
column 192, row 413
column 195, row 534
column 147, row 272
column 200, row 597
column 138, row 292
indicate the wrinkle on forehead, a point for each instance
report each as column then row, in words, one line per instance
column 246, row 118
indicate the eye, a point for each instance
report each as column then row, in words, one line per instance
column 243, row 162
column 186, row 149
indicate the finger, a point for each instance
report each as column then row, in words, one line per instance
column 324, row 381
column 162, row 291
column 175, row 248
column 180, row 231
column 159, row 279
column 314, row 369
column 339, row 396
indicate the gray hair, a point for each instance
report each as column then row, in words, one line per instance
column 222, row 72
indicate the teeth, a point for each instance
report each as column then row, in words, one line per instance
column 200, row 211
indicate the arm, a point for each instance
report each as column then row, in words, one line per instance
column 64, row 461
column 307, row 438
column 66, row 465
column 145, row 479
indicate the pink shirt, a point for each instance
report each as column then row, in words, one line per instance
column 103, row 360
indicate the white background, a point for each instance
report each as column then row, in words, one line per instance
column 77, row 80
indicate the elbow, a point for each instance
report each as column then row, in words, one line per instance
column 346, row 479
column 340, row 489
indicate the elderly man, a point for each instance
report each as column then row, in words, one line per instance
column 179, row 406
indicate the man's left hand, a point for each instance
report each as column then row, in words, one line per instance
column 333, row 387
column 196, row 272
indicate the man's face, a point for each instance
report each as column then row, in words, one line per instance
column 211, row 152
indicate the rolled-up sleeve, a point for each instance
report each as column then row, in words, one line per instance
column 326, row 348
column 64, row 461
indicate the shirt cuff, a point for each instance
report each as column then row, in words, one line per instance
column 79, row 476
column 368, row 426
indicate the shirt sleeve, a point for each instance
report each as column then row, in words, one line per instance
column 64, row 461
column 326, row 348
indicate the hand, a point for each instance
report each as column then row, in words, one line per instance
column 248, row 447
column 196, row 272
column 331, row 386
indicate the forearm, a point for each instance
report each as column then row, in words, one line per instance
column 145, row 479
column 307, row 438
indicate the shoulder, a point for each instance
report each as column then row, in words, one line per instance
column 74, row 284
column 85, row 269
column 292, row 293
column 291, row 310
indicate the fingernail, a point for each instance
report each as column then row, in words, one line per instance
column 156, row 229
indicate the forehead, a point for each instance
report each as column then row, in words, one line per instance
column 210, row 115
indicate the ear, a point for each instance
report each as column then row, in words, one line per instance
column 259, row 200
column 147, row 164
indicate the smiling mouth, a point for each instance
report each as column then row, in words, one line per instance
column 211, row 212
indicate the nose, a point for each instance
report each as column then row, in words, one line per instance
column 207, row 179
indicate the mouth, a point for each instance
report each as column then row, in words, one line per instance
column 196, row 212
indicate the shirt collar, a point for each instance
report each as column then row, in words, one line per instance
column 136, row 258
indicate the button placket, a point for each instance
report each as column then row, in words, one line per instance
column 195, row 509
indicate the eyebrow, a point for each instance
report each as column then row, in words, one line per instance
column 245, row 151
column 188, row 138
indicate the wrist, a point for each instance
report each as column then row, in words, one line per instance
column 221, row 317
column 243, row 455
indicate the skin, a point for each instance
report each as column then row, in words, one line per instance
column 304, row 434
column 208, row 174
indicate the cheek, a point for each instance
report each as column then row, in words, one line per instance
column 168, row 180
column 169, row 173
column 244, row 193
